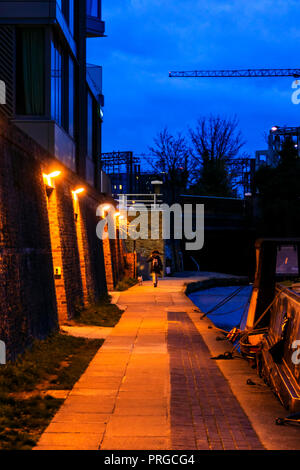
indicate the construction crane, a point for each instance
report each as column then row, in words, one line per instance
column 245, row 73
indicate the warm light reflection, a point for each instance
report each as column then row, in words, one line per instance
column 76, row 192
column 54, row 174
column 48, row 178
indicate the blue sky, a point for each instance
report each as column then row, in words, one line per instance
column 147, row 38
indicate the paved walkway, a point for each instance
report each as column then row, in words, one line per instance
column 152, row 385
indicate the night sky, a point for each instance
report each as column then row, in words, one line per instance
column 148, row 38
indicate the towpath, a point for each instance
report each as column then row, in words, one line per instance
column 153, row 385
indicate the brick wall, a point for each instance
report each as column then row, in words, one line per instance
column 50, row 257
column 27, row 294
column 144, row 248
column 131, row 265
column 114, row 258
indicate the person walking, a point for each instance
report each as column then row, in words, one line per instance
column 156, row 266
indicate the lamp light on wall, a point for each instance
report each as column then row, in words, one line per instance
column 105, row 209
column 48, row 179
column 76, row 192
column 76, row 202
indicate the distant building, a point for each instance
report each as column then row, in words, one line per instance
column 276, row 138
column 51, row 92
column 126, row 176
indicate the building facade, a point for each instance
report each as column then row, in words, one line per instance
column 51, row 261
column 52, row 94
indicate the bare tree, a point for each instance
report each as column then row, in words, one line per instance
column 216, row 141
column 217, row 137
column 173, row 162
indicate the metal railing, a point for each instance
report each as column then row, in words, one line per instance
column 131, row 200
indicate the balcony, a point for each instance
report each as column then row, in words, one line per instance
column 94, row 80
column 95, row 27
column 36, row 12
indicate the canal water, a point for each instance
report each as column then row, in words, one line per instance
column 230, row 314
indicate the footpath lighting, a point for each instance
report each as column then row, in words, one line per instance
column 76, row 192
column 105, row 210
column 54, row 174
column 48, row 178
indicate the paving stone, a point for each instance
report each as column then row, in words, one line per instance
column 72, row 440
column 77, row 427
column 135, row 443
column 84, row 418
column 138, row 426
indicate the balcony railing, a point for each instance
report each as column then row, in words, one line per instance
column 94, row 79
column 95, row 27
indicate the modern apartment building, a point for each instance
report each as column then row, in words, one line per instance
column 52, row 94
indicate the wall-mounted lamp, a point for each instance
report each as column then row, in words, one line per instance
column 48, row 179
column 105, row 209
column 76, row 192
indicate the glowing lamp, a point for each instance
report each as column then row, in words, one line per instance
column 78, row 191
column 54, row 174
column 48, row 179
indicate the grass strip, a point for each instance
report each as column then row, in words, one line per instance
column 101, row 313
column 52, row 364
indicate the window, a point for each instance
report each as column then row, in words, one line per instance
column 71, row 96
column 90, row 126
column 71, row 16
column 67, row 8
column 90, row 167
column 93, row 8
column 56, row 83
column 30, row 83
column 287, row 260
